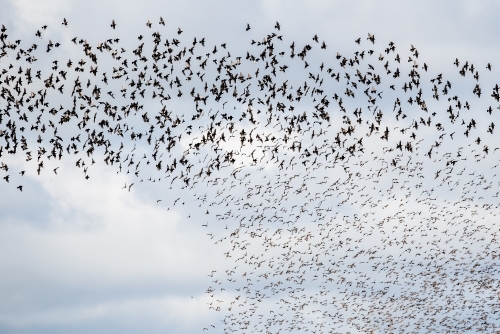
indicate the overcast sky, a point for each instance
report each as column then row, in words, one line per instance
column 80, row 256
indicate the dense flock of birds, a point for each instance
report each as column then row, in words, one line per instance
column 352, row 192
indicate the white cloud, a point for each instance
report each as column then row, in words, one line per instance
column 97, row 230
column 29, row 12
column 167, row 311
column 103, row 238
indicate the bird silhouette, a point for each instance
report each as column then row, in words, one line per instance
column 350, row 190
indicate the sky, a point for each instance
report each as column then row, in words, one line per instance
column 81, row 256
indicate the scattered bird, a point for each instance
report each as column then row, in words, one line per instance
column 339, row 205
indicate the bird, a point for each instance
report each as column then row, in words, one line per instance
column 328, row 203
column 371, row 38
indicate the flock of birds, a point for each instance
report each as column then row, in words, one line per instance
column 352, row 192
